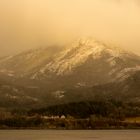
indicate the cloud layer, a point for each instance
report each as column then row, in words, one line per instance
column 31, row 23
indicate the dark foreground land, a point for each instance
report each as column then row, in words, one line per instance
column 36, row 122
column 82, row 115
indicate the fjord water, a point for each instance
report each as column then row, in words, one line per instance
column 70, row 135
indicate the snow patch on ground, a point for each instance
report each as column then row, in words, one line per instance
column 58, row 94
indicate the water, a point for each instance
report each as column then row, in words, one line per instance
column 69, row 135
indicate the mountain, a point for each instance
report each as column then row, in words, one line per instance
column 23, row 64
column 88, row 62
column 85, row 70
column 127, row 90
column 13, row 96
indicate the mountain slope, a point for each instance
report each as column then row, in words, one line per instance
column 85, row 70
column 88, row 62
column 25, row 63
column 13, row 96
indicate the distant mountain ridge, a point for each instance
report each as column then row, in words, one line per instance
column 55, row 75
column 89, row 62
column 26, row 62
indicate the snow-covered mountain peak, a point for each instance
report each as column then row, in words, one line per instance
column 85, row 58
column 79, row 52
column 75, row 55
column 96, row 47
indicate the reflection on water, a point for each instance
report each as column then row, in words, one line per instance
column 70, row 135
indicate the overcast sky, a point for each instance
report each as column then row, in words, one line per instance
column 26, row 24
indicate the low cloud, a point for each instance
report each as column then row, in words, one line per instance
column 32, row 23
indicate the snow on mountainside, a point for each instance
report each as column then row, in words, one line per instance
column 85, row 61
column 47, row 76
column 26, row 62
column 90, row 60
column 74, row 57
column 80, row 52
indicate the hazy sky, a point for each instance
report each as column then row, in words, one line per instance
column 25, row 24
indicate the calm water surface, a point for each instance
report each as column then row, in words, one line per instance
column 69, row 135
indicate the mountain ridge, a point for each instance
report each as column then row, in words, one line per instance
column 50, row 76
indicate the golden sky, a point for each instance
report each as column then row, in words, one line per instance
column 26, row 24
